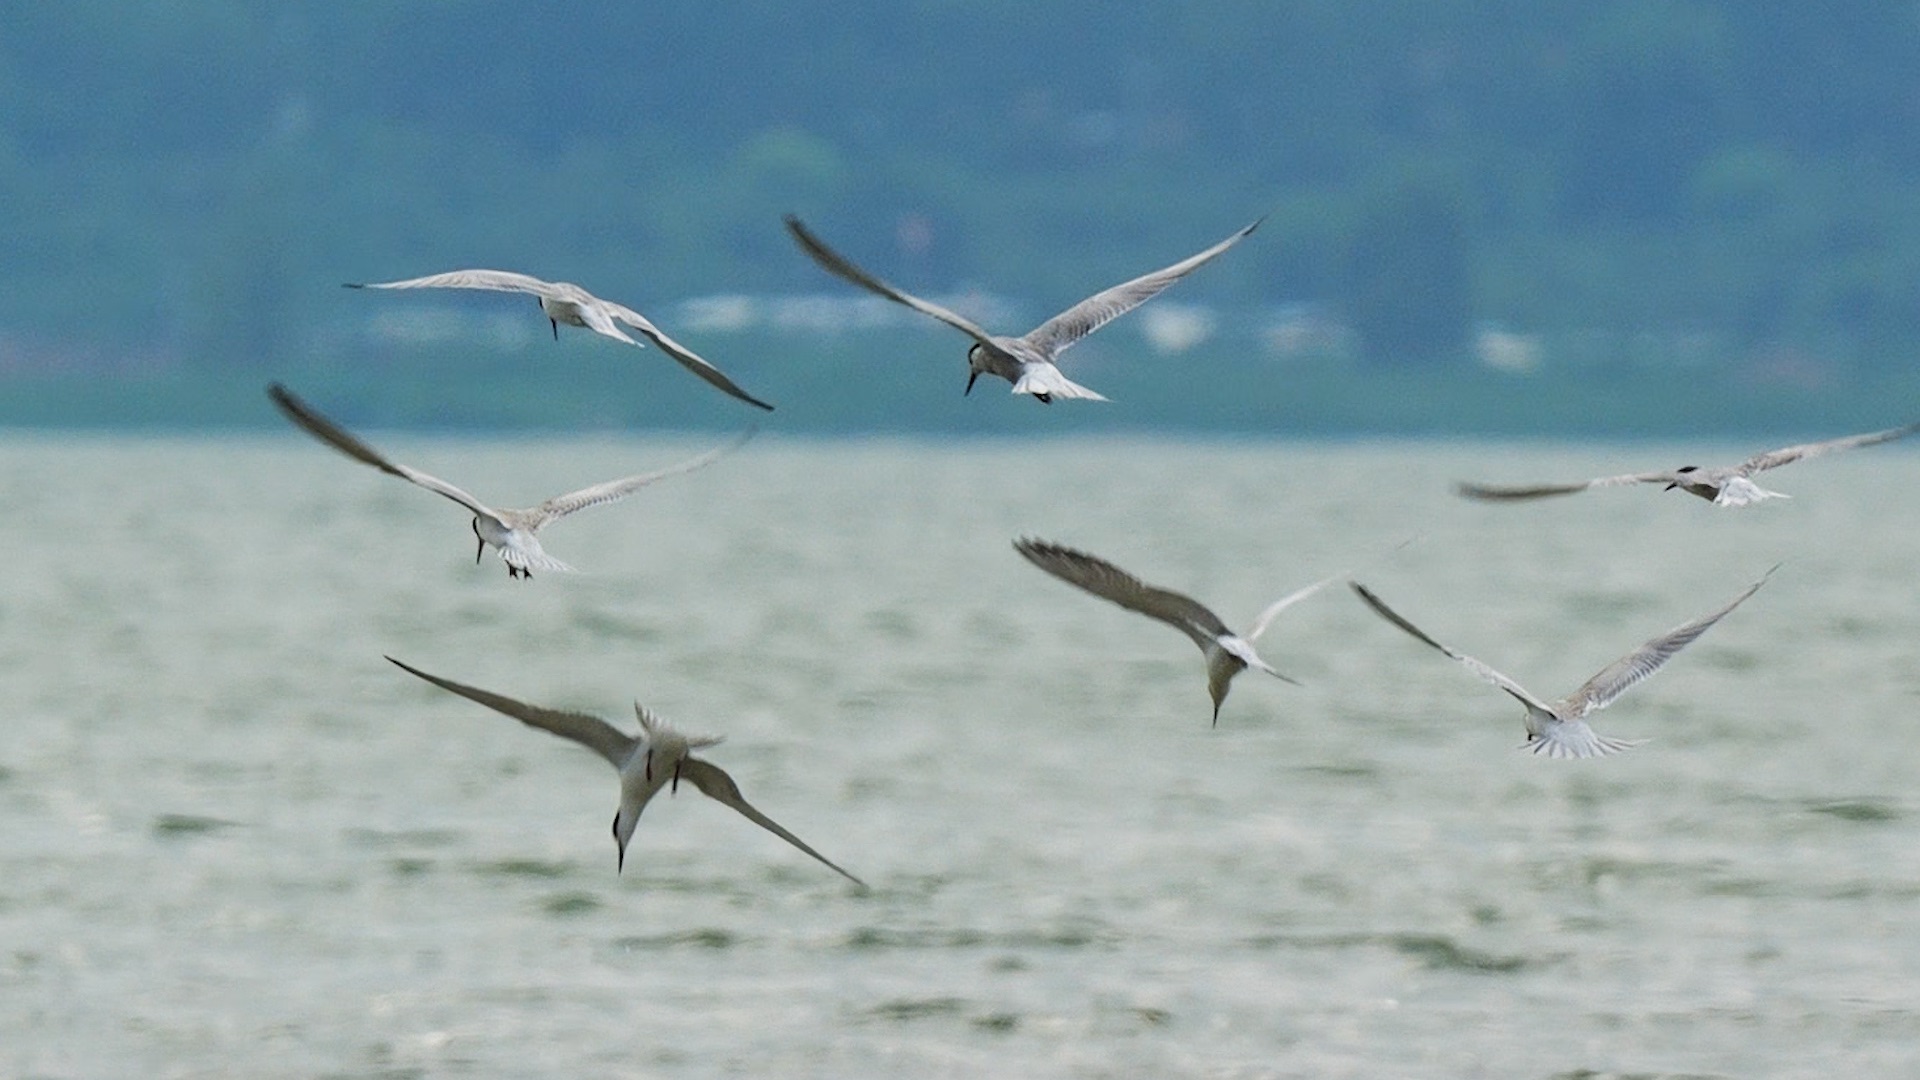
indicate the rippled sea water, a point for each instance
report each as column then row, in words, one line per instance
column 234, row 841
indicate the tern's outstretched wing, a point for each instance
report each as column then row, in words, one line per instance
column 841, row 267
column 590, row 731
column 561, row 505
column 687, row 357
column 337, row 437
column 1054, row 336
column 717, row 785
column 1519, row 693
column 1773, row 459
column 494, row 280
column 1615, row 679
column 1502, row 493
column 1266, row 617
column 1109, row 582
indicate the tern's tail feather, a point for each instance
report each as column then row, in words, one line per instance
column 1575, row 740
column 534, row 560
column 1741, row 491
column 1045, row 380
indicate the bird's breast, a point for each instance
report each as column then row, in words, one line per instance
column 497, row 533
column 564, row 311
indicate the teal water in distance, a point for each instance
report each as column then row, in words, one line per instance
column 234, row 841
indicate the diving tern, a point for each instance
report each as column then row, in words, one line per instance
column 1026, row 361
column 660, row 757
column 512, row 532
column 1727, row 485
column 1559, row 728
column 1227, row 653
column 565, row 302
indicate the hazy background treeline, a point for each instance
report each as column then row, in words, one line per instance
column 1533, row 215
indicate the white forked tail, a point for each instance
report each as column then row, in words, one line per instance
column 1045, row 380
column 655, row 730
column 528, row 561
column 1560, row 739
column 1741, row 491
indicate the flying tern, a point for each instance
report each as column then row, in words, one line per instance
column 1227, row 653
column 1727, row 485
column 512, row 532
column 565, row 302
column 1559, row 728
column 1026, row 361
column 660, row 757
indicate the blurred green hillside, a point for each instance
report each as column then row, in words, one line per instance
column 1504, row 216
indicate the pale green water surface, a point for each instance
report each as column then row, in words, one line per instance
column 235, row 842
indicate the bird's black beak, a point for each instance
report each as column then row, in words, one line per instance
column 620, row 862
column 675, row 790
column 1671, row 486
column 1216, row 714
column 479, row 551
column 970, row 377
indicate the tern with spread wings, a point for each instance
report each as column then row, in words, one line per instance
column 1726, row 485
column 512, row 532
column 565, row 302
column 1227, row 653
column 1026, row 361
column 1559, row 728
column 660, row 757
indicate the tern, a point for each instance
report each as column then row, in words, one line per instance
column 1559, row 728
column 565, row 302
column 660, row 757
column 1227, row 653
column 1727, row 485
column 512, row 532
column 1026, row 361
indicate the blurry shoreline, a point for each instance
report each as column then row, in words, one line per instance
column 907, row 380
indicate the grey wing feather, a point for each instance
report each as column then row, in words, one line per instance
column 717, row 785
column 1266, row 617
column 1054, row 336
column 687, row 357
column 1518, row 692
column 561, row 505
column 495, row 280
column 839, row 266
column 590, row 731
column 1109, row 582
column 1773, row 459
column 1616, row 678
column 313, row 423
column 1507, row 493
